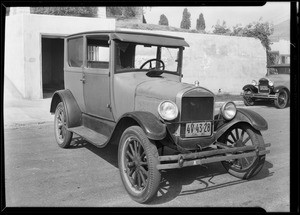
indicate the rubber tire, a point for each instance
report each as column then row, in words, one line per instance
column 287, row 99
column 257, row 165
column 151, row 152
column 248, row 103
column 65, row 142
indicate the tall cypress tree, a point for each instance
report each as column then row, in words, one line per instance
column 163, row 20
column 186, row 19
column 200, row 26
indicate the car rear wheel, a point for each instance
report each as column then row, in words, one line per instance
column 282, row 99
column 248, row 101
column 62, row 135
column 137, row 158
column 240, row 135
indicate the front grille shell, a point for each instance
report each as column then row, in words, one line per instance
column 263, row 82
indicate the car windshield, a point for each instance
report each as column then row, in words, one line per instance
column 278, row 70
column 140, row 57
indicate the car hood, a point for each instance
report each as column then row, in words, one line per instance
column 279, row 79
column 136, row 91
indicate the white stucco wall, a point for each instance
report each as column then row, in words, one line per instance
column 283, row 46
column 23, row 34
column 14, row 53
column 221, row 62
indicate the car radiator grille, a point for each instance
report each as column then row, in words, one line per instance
column 197, row 108
column 263, row 86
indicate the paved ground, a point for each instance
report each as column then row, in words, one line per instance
column 39, row 173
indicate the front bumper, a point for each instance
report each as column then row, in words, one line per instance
column 210, row 156
column 261, row 95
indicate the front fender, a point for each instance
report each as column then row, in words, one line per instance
column 278, row 88
column 244, row 115
column 72, row 109
column 152, row 126
column 250, row 87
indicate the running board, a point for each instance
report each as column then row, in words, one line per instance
column 90, row 135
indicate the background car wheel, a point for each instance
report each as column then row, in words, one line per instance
column 247, row 100
column 62, row 135
column 239, row 135
column 282, row 99
column 137, row 158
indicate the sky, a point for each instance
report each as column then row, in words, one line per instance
column 273, row 12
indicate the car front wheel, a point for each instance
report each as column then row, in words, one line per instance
column 62, row 135
column 282, row 99
column 240, row 135
column 248, row 101
column 137, row 158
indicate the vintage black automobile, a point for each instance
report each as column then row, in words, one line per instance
column 125, row 87
column 275, row 86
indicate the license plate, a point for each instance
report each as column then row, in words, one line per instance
column 265, row 88
column 198, row 129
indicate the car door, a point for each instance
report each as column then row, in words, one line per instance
column 73, row 68
column 96, row 87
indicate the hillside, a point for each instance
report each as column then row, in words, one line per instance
column 135, row 25
column 281, row 31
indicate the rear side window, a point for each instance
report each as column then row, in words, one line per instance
column 98, row 52
column 75, row 52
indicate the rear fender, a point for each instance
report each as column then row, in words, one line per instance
column 247, row 116
column 73, row 112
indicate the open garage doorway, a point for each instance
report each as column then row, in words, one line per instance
column 52, row 65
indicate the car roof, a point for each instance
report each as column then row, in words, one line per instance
column 279, row 66
column 139, row 37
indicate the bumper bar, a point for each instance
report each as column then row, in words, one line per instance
column 262, row 96
column 192, row 159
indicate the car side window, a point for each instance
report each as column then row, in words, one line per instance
column 98, row 53
column 75, row 52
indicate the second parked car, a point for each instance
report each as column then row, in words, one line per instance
column 275, row 86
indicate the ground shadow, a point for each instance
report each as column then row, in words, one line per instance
column 108, row 153
column 173, row 180
column 267, row 103
column 77, row 142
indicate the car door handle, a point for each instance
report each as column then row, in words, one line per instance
column 83, row 80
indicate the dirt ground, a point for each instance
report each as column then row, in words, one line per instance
column 39, row 173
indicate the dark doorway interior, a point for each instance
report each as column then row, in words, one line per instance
column 52, row 65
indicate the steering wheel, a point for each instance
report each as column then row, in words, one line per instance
column 150, row 66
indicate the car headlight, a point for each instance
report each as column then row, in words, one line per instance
column 271, row 84
column 254, row 83
column 168, row 110
column 228, row 110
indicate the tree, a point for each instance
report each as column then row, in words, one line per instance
column 124, row 12
column 66, row 11
column 163, row 20
column 113, row 11
column 260, row 30
column 144, row 20
column 186, row 19
column 129, row 12
column 200, row 26
column 221, row 29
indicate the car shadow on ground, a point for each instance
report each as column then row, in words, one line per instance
column 268, row 104
column 109, row 153
column 173, row 180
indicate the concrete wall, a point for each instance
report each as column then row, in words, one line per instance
column 23, row 33
column 221, row 62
